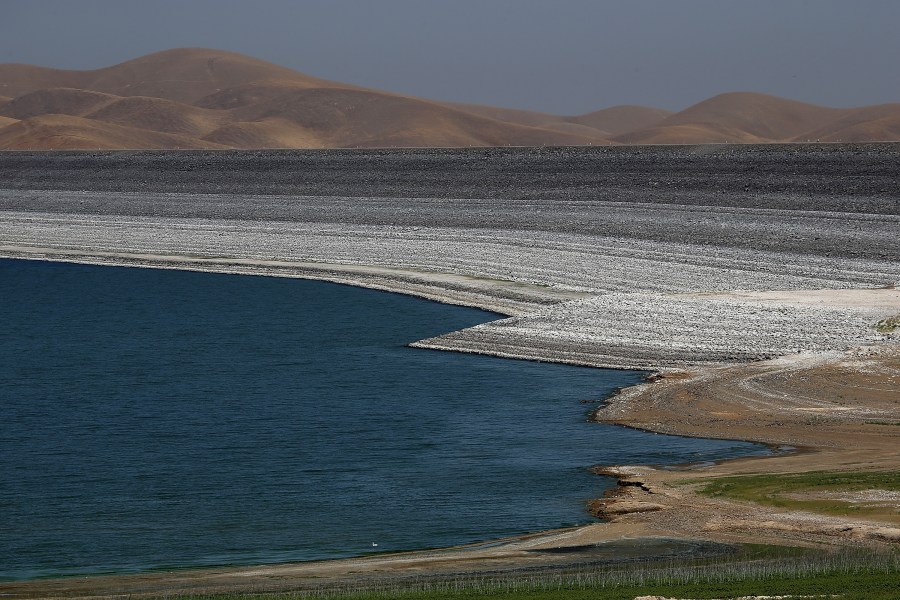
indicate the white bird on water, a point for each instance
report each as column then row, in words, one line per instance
column 374, row 545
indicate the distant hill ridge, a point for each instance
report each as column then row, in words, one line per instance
column 201, row 98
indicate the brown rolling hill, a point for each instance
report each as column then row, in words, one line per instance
column 256, row 92
column 210, row 98
column 159, row 114
column 353, row 117
column 690, row 133
column 200, row 98
column 508, row 115
column 886, row 129
column 871, row 123
column 607, row 122
column 759, row 115
column 55, row 101
column 268, row 133
column 65, row 132
column 182, row 74
column 617, row 120
column 744, row 117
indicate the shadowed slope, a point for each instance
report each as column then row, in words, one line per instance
column 273, row 132
column 617, row 120
column 881, row 122
column 605, row 123
column 736, row 117
column 885, row 129
column 55, row 101
column 158, row 114
column 759, row 115
column 344, row 117
column 65, row 132
column 250, row 94
column 690, row 134
column 529, row 119
column 509, row 115
column 577, row 129
column 740, row 117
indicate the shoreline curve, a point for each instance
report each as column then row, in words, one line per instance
column 774, row 340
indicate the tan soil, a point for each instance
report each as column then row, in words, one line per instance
column 836, row 410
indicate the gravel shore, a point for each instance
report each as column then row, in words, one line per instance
column 601, row 256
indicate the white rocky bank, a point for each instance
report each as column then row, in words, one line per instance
column 577, row 298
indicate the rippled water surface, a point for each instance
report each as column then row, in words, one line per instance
column 156, row 418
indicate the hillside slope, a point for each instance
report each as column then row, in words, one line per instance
column 65, row 132
column 744, row 117
column 202, row 98
column 210, row 98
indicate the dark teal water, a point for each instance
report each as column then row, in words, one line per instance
column 157, row 419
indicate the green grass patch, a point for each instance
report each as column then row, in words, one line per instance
column 817, row 491
column 847, row 586
column 889, row 325
column 855, row 574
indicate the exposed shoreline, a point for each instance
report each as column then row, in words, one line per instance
column 642, row 507
column 743, row 337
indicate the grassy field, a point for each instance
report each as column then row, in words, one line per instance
column 759, row 570
column 836, row 493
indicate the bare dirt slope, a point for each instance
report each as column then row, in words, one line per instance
column 841, row 409
column 159, row 114
column 617, row 120
column 753, row 118
column 766, row 117
column 607, row 122
column 56, row 101
column 63, row 132
column 869, row 123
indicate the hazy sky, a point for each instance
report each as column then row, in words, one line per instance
column 562, row 56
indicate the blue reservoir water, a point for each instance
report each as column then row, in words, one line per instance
column 158, row 419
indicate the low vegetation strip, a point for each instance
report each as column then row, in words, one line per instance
column 873, row 494
column 889, row 325
column 849, row 574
